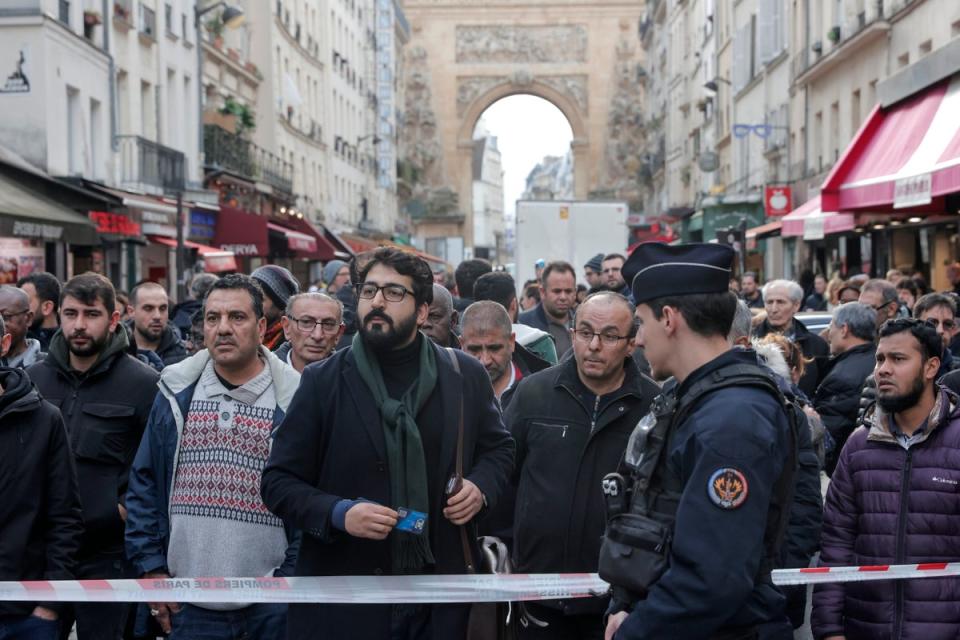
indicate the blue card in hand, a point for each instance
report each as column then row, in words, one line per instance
column 411, row 521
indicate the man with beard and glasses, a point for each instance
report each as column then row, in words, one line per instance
column 365, row 461
column 43, row 289
column 105, row 396
column 893, row 499
column 149, row 324
column 193, row 500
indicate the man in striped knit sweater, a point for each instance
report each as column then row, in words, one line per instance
column 194, row 500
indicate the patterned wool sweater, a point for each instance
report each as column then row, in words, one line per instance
column 219, row 525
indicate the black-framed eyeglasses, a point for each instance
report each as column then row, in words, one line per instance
column 883, row 304
column 7, row 317
column 948, row 325
column 391, row 292
column 608, row 339
column 308, row 324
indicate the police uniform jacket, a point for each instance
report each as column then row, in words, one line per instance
column 739, row 433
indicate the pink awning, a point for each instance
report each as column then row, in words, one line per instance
column 812, row 223
column 903, row 156
column 296, row 241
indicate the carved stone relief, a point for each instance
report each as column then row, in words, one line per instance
column 518, row 44
column 469, row 88
column 626, row 133
column 419, row 144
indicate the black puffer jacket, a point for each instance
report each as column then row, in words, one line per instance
column 105, row 410
column 567, row 441
column 40, row 524
column 838, row 397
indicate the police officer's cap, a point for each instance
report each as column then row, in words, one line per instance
column 657, row 270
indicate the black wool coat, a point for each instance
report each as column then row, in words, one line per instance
column 331, row 446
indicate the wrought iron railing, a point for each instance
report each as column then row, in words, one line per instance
column 144, row 162
column 234, row 153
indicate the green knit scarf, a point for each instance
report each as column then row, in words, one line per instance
column 408, row 466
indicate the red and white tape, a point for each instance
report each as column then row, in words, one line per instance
column 820, row 575
column 406, row 589
column 332, row 589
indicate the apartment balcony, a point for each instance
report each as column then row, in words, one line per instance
column 227, row 151
column 839, row 42
column 150, row 167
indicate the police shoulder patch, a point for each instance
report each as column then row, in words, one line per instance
column 727, row 488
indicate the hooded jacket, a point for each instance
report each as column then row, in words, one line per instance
column 153, row 471
column 40, row 524
column 105, row 410
column 887, row 504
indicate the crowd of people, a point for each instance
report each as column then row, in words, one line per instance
column 647, row 417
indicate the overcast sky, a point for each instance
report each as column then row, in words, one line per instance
column 527, row 129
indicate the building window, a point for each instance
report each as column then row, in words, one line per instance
column 925, row 48
column 74, row 129
column 168, row 19
column 148, row 21
column 64, row 12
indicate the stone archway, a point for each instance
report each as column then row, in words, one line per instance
column 464, row 56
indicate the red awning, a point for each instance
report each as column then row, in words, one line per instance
column 359, row 244
column 323, row 249
column 242, row 232
column 809, row 221
column 903, row 157
column 214, row 260
column 296, row 241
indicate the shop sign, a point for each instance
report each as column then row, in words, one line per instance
column 158, row 224
column 813, row 227
column 914, row 191
column 18, row 259
column 242, row 249
column 37, row 230
column 778, row 200
column 115, row 223
column 202, row 224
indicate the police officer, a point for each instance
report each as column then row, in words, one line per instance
column 700, row 506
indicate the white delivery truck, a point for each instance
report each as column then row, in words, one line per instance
column 571, row 230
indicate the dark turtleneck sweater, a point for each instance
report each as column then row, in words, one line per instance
column 400, row 369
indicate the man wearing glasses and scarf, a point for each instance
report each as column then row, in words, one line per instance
column 364, row 462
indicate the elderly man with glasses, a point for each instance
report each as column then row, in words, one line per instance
column 312, row 326
column 883, row 297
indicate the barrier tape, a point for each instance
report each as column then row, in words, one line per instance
column 821, row 575
column 405, row 589
column 329, row 589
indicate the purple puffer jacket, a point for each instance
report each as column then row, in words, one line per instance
column 890, row 505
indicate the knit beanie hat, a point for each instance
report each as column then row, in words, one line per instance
column 330, row 270
column 595, row 263
column 278, row 283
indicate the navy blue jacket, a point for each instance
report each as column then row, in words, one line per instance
column 331, row 447
column 716, row 552
column 151, row 477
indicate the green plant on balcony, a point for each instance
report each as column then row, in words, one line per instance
column 214, row 27
column 834, row 35
column 246, row 119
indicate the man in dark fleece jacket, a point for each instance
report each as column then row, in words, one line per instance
column 104, row 395
column 571, row 423
column 150, row 328
column 40, row 525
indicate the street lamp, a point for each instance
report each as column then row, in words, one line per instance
column 711, row 85
column 231, row 17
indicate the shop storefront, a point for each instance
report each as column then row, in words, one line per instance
column 121, row 237
column 255, row 240
column 891, row 200
column 37, row 233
